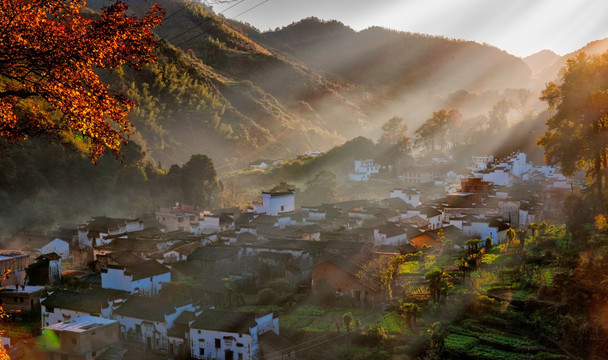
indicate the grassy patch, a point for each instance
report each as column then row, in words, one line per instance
column 505, row 340
column 547, row 276
column 460, row 343
column 260, row 308
column 410, row 267
column 490, row 353
column 295, row 321
column 392, row 323
column 309, row 310
column 488, row 259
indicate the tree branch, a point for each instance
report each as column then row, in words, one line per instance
column 19, row 93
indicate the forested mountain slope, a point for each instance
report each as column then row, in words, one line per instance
column 552, row 66
column 225, row 89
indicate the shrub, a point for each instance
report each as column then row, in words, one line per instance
column 267, row 296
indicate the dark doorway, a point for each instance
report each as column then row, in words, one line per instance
column 228, row 354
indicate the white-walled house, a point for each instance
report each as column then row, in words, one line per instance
column 481, row 162
column 66, row 305
column 498, row 176
column 146, row 320
column 433, row 216
column 223, row 334
column 57, row 246
column 364, row 169
column 519, row 166
column 94, row 232
column 209, row 223
column 483, row 228
column 261, row 164
column 145, row 278
column 275, row 203
column 390, row 234
column 86, row 337
column 177, row 217
column 180, row 253
column 409, row 195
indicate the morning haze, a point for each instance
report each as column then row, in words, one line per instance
column 303, row 180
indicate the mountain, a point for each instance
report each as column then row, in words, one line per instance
column 379, row 57
column 554, row 65
column 540, row 61
column 213, row 90
column 225, row 89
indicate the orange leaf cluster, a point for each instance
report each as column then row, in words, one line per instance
column 49, row 53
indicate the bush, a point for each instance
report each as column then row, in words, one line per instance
column 279, row 285
column 267, row 296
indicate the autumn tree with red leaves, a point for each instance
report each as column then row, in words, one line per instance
column 51, row 54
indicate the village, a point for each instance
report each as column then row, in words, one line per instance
column 218, row 283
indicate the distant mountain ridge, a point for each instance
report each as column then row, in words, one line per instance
column 224, row 88
column 540, row 61
column 382, row 57
column 553, row 63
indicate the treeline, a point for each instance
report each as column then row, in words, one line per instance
column 44, row 183
column 181, row 110
column 339, row 160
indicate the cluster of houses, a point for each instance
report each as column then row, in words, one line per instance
column 124, row 264
column 264, row 164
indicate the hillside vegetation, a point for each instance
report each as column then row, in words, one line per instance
column 226, row 89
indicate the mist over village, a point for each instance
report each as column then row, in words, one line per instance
column 176, row 183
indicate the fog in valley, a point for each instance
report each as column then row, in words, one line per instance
column 304, row 192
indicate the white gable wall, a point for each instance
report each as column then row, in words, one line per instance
column 483, row 230
column 275, row 204
column 116, row 279
column 150, row 286
column 58, row 246
column 202, row 344
column 62, row 315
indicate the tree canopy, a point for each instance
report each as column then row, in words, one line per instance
column 439, row 129
column 50, row 53
column 577, row 130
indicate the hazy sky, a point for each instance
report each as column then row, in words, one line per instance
column 521, row 27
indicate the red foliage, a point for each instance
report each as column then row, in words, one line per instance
column 49, row 53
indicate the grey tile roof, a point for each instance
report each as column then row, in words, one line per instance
column 146, row 269
column 225, row 320
column 139, row 307
column 212, row 253
column 90, row 302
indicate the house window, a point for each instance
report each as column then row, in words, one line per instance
column 15, row 298
column 217, row 343
column 240, row 356
column 282, row 208
column 138, row 328
column 73, row 341
column 201, row 351
column 20, row 299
